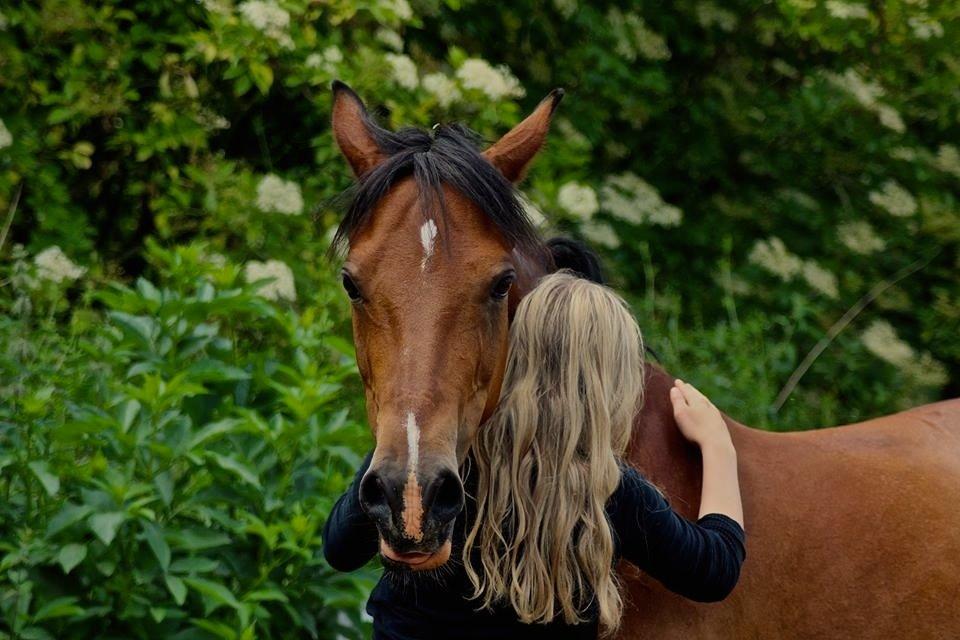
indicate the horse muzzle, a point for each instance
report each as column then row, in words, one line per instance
column 414, row 514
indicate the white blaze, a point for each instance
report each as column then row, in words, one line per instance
column 428, row 235
column 413, row 443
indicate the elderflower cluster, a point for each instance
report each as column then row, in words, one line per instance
column 274, row 194
column 634, row 38
column 269, row 18
column 709, row 15
column 496, row 82
column 399, row 8
column 925, row 28
column 390, row 38
column 53, row 265
column 566, row 7
column 860, row 237
column 6, row 138
column 442, row 88
column 578, row 199
column 599, row 232
column 326, row 60
column 894, row 199
column 948, row 159
column 631, row 198
column 881, row 339
column 533, row 213
column 868, row 95
column 820, row 279
column 280, row 285
column 771, row 254
column 4, row 22
column 404, row 70
column 847, row 10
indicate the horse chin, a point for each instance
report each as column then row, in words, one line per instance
column 415, row 560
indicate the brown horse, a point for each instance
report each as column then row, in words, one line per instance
column 853, row 532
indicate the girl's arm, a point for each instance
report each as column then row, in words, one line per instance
column 700, row 560
column 701, row 423
column 350, row 538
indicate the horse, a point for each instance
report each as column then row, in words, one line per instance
column 852, row 531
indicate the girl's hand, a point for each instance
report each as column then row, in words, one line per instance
column 699, row 421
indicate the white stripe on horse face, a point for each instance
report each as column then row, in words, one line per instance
column 412, row 499
column 428, row 235
column 413, row 443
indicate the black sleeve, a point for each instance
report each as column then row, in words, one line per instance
column 700, row 561
column 350, row 538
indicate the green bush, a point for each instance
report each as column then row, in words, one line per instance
column 168, row 463
column 178, row 403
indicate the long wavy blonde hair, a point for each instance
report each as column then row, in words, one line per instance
column 546, row 461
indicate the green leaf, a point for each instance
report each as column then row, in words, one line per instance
column 262, row 76
column 177, row 589
column 217, row 629
column 194, row 565
column 197, row 539
column 262, row 595
column 71, row 555
column 211, row 370
column 105, row 525
column 157, row 544
column 50, row 482
column 215, row 592
column 164, row 484
column 128, row 413
column 213, row 431
column 70, row 514
column 58, row 608
column 236, row 467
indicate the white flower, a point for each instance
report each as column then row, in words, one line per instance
column 820, row 279
column 279, row 195
column 881, row 339
column 860, row 237
column 894, row 199
column 578, row 199
column 890, row 118
column 212, row 120
column 948, row 159
column 566, row 7
column 390, row 38
column 6, row 138
column 629, row 197
column 771, row 254
column 404, row 70
column 925, row 28
column 268, row 17
column 326, row 61
column 497, row 83
column 400, row 8
column 601, row 233
column 281, row 286
column 904, row 153
column 442, row 88
column 4, row 22
column 846, row 10
column 633, row 38
column 53, row 265
column 709, row 14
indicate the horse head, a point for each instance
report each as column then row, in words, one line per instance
column 439, row 253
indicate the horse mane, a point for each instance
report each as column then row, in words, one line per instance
column 576, row 257
column 447, row 154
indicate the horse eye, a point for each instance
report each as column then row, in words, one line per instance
column 350, row 287
column 502, row 286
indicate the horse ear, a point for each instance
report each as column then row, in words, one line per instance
column 353, row 130
column 513, row 153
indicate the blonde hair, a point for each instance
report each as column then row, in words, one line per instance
column 547, row 460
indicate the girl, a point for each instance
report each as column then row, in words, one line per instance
column 554, row 506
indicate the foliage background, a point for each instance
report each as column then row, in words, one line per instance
column 178, row 400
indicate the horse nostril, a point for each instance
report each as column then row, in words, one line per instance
column 444, row 497
column 373, row 496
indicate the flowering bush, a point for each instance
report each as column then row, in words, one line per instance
column 178, row 404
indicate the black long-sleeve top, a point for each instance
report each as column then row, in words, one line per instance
column 700, row 561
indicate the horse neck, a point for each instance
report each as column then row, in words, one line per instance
column 658, row 449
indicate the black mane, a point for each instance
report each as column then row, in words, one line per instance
column 448, row 154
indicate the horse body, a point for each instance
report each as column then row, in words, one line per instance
column 852, row 532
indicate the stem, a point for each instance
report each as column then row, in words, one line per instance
column 841, row 324
column 10, row 213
